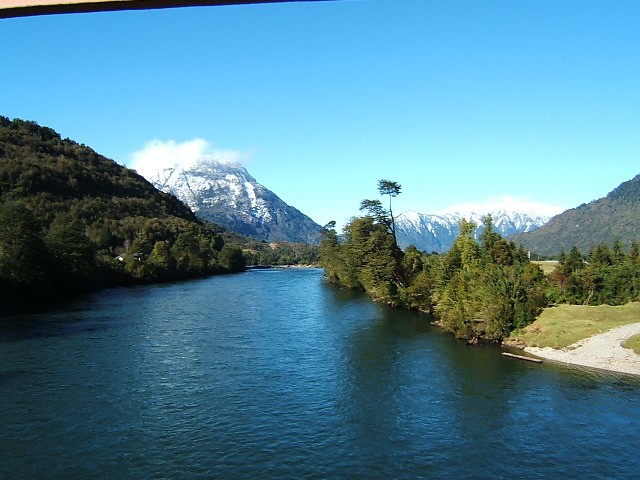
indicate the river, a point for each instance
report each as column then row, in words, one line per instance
column 274, row 374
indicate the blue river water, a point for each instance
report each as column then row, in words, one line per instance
column 274, row 374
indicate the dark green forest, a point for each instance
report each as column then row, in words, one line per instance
column 479, row 289
column 72, row 220
column 606, row 275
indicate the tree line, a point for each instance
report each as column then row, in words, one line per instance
column 484, row 288
column 67, row 256
column 271, row 254
column 606, row 275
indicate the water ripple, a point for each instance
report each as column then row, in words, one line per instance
column 276, row 375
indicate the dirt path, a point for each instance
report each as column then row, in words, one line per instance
column 602, row 351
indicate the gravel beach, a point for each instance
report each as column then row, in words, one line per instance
column 603, row 351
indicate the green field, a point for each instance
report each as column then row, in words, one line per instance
column 633, row 343
column 547, row 266
column 561, row 326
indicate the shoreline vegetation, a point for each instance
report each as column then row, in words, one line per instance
column 633, row 343
column 282, row 267
column 481, row 290
column 485, row 287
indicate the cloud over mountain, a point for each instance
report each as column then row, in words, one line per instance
column 158, row 155
column 218, row 188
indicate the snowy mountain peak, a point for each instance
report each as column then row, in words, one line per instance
column 437, row 232
column 225, row 193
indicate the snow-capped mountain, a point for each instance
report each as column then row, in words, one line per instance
column 437, row 232
column 226, row 194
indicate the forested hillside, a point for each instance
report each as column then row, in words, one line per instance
column 72, row 220
column 609, row 219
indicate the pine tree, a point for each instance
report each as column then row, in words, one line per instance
column 391, row 188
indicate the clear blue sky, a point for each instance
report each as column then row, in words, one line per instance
column 458, row 101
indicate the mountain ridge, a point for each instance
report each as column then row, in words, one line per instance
column 227, row 194
column 437, row 232
column 605, row 220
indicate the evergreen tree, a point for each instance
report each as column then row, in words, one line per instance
column 73, row 254
column 469, row 250
column 232, row 259
column 475, row 290
column 162, row 261
column 25, row 263
column 618, row 255
column 634, row 254
column 391, row 188
column 376, row 211
column 575, row 261
column 488, row 237
column 600, row 255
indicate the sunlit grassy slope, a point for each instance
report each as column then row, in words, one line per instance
column 561, row 326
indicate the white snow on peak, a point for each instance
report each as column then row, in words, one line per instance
column 207, row 182
column 411, row 217
column 438, row 231
column 506, row 205
column 251, row 194
column 222, row 190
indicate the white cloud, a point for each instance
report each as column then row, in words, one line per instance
column 508, row 203
column 157, row 155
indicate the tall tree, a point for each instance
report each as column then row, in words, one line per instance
column 488, row 237
column 391, row 188
column 231, row 259
column 575, row 261
column 618, row 253
column 330, row 254
column 375, row 210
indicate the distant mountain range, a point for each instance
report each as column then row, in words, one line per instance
column 437, row 232
column 614, row 217
column 226, row 194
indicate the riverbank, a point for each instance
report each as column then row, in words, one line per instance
column 603, row 351
column 586, row 336
column 269, row 267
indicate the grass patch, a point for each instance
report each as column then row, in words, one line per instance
column 547, row 266
column 561, row 326
column 633, row 343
